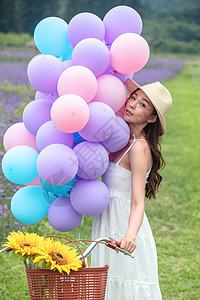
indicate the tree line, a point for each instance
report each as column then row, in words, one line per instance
column 23, row 15
column 169, row 31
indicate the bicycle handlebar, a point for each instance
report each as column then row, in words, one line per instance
column 109, row 242
column 4, row 249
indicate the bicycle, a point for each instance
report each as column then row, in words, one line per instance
column 85, row 284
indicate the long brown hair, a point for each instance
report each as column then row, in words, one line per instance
column 153, row 137
column 153, row 131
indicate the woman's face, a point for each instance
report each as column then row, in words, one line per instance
column 139, row 109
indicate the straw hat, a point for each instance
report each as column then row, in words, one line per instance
column 158, row 95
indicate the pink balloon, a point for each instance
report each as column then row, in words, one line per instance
column 36, row 181
column 70, row 113
column 111, row 91
column 129, row 53
column 16, row 135
column 78, row 80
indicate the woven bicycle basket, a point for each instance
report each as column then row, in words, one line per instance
column 84, row 284
column 87, row 283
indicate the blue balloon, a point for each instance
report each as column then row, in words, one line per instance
column 29, row 204
column 49, row 197
column 50, row 36
column 68, row 54
column 19, row 164
column 77, row 137
column 58, row 190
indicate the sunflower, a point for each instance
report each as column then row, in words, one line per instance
column 59, row 256
column 25, row 244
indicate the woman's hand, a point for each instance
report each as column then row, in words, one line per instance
column 127, row 243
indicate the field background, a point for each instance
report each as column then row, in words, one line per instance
column 174, row 216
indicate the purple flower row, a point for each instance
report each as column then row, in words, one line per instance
column 11, row 99
column 17, row 54
column 7, row 222
column 159, row 69
column 13, row 73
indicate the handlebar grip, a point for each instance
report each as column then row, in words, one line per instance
column 112, row 244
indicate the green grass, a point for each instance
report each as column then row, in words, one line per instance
column 174, row 216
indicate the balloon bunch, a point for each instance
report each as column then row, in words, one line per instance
column 61, row 148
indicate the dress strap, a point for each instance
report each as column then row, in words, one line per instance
column 129, row 148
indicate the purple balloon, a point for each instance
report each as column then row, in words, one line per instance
column 50, row 97
column 92, row 54
column 49, row 134
column 67, row 64
column 83, row 200
column 121, row 19
column 57, row 164
column 43, row 73
column 93, row 160
column 62, row 216
column 85, row 25
column 35, row 114
column 110, row 70
column 101, row 123
column 120, row 137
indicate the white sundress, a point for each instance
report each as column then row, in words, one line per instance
column 128, row 278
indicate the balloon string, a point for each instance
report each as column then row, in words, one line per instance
column 52, row 94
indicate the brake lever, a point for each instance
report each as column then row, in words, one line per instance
column 111, row 244
column 124, row 251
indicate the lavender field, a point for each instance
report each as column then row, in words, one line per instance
column 16, row 92
column 173, row 216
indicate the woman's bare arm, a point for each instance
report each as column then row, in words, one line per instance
column 138, row 161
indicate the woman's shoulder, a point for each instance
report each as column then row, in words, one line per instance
column 140, row 145
column 140, row 152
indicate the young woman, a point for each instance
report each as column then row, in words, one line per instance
column 133, row 174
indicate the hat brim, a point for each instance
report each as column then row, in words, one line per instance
column 131, row 87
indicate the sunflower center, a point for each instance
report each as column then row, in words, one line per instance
column 26, row 245
column 58, row 257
